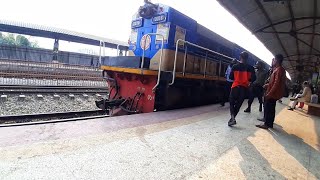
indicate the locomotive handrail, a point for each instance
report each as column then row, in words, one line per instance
column 161, row 53
column 195, row 45
column 205, row 65
column 119, row 50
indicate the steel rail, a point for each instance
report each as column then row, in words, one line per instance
column 45, row 118
column 52, row 121
column 51, row 89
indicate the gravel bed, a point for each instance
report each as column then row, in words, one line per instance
column 32, row 105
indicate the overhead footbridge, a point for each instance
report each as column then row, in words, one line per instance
column 60, row 34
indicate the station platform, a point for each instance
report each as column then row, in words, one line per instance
column 193, row 143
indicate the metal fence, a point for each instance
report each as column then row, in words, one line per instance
column 28, row 66
column 45, row 55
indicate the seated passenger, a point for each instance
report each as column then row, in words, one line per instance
column 304, row 97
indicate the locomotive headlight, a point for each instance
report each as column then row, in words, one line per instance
column 159, row 18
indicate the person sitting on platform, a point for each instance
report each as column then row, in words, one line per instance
column 296, row 89
column 304, row 97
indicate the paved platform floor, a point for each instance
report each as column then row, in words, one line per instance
column 182, row 144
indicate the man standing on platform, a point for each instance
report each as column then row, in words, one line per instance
column 275, row 91
column 256, row 88
column 264, row 88
column 241, row 74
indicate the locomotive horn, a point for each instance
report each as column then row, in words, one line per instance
column 148, row 10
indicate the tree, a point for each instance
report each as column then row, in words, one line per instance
column 19, row 40
column 22, row 41
column 9, row 40
column 1, row 38
column 35, row 44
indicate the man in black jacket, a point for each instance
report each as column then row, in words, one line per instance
column 256, row 88
column 241, row 74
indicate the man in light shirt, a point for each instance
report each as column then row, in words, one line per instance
column 304, row 97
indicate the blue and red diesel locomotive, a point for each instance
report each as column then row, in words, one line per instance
column 173, row 62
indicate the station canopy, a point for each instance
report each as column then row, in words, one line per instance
column 290, row 27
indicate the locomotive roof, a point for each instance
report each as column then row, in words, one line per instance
column 214, row 36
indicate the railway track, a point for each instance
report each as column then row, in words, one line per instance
column 46, row 118
column 4, row 89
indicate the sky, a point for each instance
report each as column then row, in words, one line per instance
column 112, row 19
